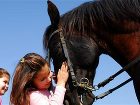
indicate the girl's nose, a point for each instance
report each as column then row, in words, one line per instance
column 7, row 85
column 50, row 76
column 51, row 73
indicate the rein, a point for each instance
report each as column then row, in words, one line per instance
column 102, row 84
column 84, row 82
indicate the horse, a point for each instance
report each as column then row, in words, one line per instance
column 110, row 27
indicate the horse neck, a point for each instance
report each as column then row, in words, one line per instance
column 123, row 47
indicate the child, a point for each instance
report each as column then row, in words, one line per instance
column 4, row 82
column 32, row 80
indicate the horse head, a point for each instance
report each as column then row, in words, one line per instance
column 79, row 48
column 109, row 27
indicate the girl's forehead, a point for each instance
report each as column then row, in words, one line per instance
column 44, row 71
column 5, row 76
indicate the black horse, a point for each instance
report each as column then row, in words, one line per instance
column 109, row 27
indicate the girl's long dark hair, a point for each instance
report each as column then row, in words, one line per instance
column 26, row 69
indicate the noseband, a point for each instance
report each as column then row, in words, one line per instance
column 84, row 82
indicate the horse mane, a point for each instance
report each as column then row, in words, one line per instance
column 103, row 14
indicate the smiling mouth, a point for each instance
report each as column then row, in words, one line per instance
column 5, row 89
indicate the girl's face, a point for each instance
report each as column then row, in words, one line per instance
column 43, row 78
column 4, row 83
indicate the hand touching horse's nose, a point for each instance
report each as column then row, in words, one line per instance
column 62, row 75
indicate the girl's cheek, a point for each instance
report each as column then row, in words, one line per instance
column 7, row 85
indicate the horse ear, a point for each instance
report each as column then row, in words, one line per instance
column 53, row 13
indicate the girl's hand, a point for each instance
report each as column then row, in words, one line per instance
column 62, row 75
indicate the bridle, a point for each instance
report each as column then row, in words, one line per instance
column 84, row 82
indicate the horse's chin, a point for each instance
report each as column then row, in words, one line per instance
column 86, row 98
column 71, row 98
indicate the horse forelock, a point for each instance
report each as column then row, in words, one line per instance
column 85, row 18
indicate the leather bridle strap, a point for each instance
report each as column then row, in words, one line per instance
column 102, row 84
column 64, row 47
column 125, row 68
column 85, row 85
column 74, row 80
column 84, row 82
column 48, row 51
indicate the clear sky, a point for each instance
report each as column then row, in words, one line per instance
column 22, row 24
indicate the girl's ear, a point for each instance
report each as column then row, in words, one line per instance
column 53, row 13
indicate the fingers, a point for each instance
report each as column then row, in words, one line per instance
column 63, row 74
column 64, row 66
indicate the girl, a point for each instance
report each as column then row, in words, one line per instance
column 4, row 82
column 32, row 80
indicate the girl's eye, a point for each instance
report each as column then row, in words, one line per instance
column 6, row 82
column 43, row 79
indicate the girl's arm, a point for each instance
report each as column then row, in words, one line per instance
column 45, row 98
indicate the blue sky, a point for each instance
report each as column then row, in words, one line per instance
column 22, row 24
